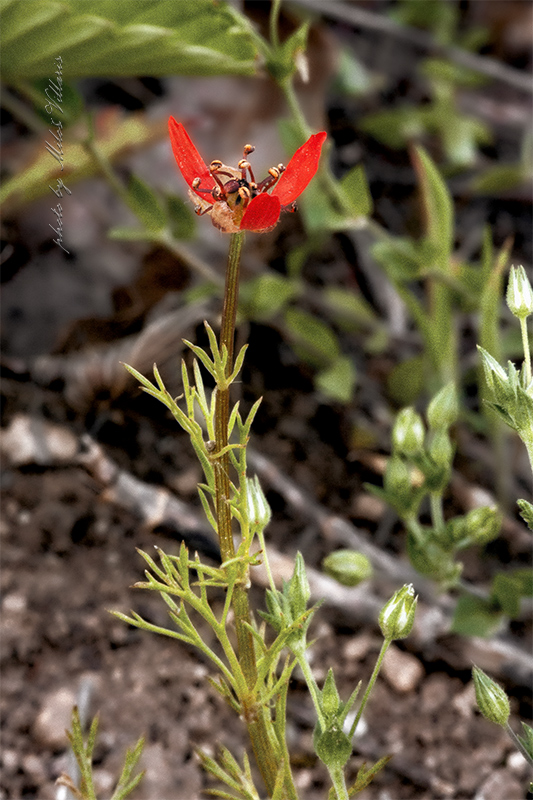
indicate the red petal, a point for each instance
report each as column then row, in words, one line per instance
column 300, row 169
column 262, row 213
column 188, row 158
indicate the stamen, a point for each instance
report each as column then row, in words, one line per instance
column 274, row 172
column 245, row 195
column 196, row 186
column 248, row 148
column 215, row 165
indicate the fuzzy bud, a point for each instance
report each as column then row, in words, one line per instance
column 348, row 567
column 491, row 699
column 408, row 433
column 443, row 410
column 519, row 293
column 397, row 616
column 259, row 512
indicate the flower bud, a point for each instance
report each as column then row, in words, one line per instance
column 408, row 433
column 491, row 699
column 441, row 449
column 398, row 479
column 330, row 696
column 482, row 525
column 519, row 293
column 397, row 616
column 298, row 590
column 495, row 375
column 348, row 567
column 259, row 512
column 443, row 410
column 333, row 747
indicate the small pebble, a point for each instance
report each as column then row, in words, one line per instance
column 500, row 785
column 403, row 671
column 54, row 718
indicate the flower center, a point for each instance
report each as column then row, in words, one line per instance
column 241, row 188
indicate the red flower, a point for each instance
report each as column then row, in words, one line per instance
column 231, row 195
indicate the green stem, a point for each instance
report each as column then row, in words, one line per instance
column 527, row 354
column 519, row 744
column 371, row 682
column 339, row 783
column 258, row 719
column 311, row 685
column 273, row 23
column 437, row 516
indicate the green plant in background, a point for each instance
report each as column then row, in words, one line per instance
column 420, row 468
column 84, row 754
column 510, row 392
column 460, row 134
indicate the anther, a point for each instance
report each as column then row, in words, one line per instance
column 281, row 168
column 244, row 194
column 215, row 165
column 248, row 148
column 196, row 183
column 274, row 172
column 243, row 164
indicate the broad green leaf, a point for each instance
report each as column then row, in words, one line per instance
column 406, row 381
column 284, row 60
column 145, row 205
column 313, row 340
column 439, row 16
column 181, row 219
column 526, row 512
column 356, row 191
column 116, row 136
column 126, row 234
column 394, row 128
column 440, row 70
column 72, row 104
column 461, row 137
column 500, row 178
column 509, row 588
column 438, row 206
column 337, row 382
column 400, row 258
column 476, row 617
column 352, row 77
column 266, row 295
column 349, row 309
column 506, row 593
column 106, row 37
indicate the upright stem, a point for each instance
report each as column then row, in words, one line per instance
column 258, row 720
column 384, row 647
column 222, row 469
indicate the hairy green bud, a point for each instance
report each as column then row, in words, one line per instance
column 491, row 698
column 333, row 747
column 443, row 410
column 519, row 293
column 348, row 567
column 408, row 433
column 397, row 616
